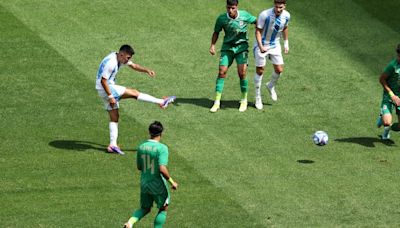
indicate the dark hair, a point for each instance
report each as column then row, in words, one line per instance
column 232, row 2
column 155, row 129
column 280, row 1
column 127, row 49
column 398, row 49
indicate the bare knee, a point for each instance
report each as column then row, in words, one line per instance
column 114, row 115
column 222, row 71
column 131, row 93
column 278, row 69
column 163, row 208
column 260, row 70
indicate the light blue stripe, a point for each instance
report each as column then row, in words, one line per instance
column 275, row 31
column 266, row 26
column 101, row 68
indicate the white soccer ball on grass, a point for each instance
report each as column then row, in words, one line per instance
column 320, row 138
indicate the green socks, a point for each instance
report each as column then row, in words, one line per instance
column 160, row 219
column 137, row 215
column 219, row 86
column 243, row 88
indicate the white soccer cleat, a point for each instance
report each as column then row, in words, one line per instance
column 259, row 105
column 243, row 106
column 271, row 90
column 215, row 107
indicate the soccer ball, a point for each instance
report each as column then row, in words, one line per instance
column 320, row 138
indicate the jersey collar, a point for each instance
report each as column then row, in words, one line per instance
column 237, row 16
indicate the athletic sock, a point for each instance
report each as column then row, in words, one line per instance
column 257, row 84
column 149, row 98
column 160, row 219
column 137, row 215
column 274, row 78
column 219, row 87
column 113, row 133
column 243, row 88
column 218, row 97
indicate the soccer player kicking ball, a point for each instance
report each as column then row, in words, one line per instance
column 389, row 80
column 271, row 24
column 112, row 93
column 234, row 47
column 152, row 160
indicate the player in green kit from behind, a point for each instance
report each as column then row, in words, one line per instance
column 152, row 160
column 235, row 47
column 390, row 81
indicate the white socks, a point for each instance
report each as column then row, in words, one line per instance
column 113, row 133
column 257, row 84
column 149, row 98
column 274, row 78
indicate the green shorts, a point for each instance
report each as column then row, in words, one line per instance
column 387, row 106
column 148, row 197
column 240, row 53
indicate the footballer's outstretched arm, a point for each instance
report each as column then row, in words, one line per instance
column 142, row 69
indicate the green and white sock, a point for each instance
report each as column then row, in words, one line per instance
column 244, row 88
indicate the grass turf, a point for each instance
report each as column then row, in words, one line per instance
column 252, row 169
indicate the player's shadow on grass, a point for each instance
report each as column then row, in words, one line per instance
column 367, row 141
column 78, row 145
column 207, row 103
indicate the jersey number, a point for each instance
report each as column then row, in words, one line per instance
column 148, row 163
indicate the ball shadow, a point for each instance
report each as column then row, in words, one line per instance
column 305, row 161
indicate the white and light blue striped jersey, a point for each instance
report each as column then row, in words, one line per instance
column 272, row 27
column 108, row 69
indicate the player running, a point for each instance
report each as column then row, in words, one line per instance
column 112, row 93
column 271, row 25
column 235, row 47
column 390, row 79
column 152, row 161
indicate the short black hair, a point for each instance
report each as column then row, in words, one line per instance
column 398, row 49
column 127, row 49
column 280, row 1
column 155, row 129
column 232, row 2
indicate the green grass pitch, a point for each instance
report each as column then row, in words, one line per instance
column 252, row 169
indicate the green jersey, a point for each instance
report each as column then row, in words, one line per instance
column 393, row 80
column 235, row 29
column 150, row 155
